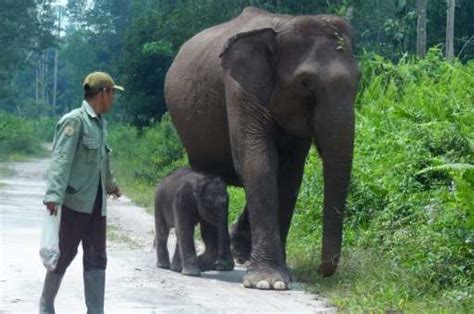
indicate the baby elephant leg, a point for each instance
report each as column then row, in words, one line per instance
column 208, row 259
column 176, row 263
column 225, row 261
column 185, row 238
column 217, row 255
column 162, row 232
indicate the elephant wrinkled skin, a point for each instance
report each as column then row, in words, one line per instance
column 248, row 97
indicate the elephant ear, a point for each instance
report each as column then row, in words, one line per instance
column 250, row 58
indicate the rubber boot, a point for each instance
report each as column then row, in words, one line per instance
column 50, row 290
column 94, row 289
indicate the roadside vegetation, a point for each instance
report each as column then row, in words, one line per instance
column 21, row 138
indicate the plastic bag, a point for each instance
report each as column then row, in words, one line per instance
column 49, row 247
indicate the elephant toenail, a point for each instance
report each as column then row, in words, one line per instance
column 279, row 285
column 263, row 284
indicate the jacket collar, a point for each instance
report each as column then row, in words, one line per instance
column 89, row 109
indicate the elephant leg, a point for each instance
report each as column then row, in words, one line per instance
column 162, row 231
column 176, row 263
column 185, row 233
column 240, row 238
column 255, row 155
column 267, row 269
column 225, row 261
column 208, row 259
column 292, row 152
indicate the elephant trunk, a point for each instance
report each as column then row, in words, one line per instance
column 335, row 141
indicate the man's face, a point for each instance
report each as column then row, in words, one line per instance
column 107, row 99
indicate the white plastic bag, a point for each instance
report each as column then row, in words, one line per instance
column 49, row 247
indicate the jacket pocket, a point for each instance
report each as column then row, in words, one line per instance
column 71, row 190
column 92, row 148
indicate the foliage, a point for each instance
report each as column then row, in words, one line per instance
column 17, row 136
column 142, row 157
column 136, row 41
column 159, row 29
column 26, row 27
column 44, row 128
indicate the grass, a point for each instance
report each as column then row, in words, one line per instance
column 142, row 193
column 21, row 138
column 5, row 170
column 368, row 282
column 18, row 157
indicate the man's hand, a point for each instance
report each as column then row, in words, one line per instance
column 53, row 208
column 115, row 193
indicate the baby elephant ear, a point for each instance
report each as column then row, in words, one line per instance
column 250, row 58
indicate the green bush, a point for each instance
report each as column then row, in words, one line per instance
column 44, row 128
column 142, row 157
column 154, row 150
column 17, row 136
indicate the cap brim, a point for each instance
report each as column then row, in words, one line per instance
column 120, row 88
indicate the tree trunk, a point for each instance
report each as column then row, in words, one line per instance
column 36, row 85
column 56, row 59
column 450, row 30
column 421, row 28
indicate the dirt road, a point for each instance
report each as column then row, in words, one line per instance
column 134, row 284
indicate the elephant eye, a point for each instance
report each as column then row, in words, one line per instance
column 305, row 83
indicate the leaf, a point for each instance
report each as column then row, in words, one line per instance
column 448, row 167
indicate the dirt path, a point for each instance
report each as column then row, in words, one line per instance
column 134, row 284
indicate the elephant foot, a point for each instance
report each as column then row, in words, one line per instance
column 191, row 270
column 207, row 261
column 176, row 266
column 240, row 244
column 266, row 278
column 163, row 264
column 226, row 264
column 327, row 269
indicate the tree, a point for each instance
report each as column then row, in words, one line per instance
column 421, row 28
column 450, row 29
column 26, row 29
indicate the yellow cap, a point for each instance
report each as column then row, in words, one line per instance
column 100, row 80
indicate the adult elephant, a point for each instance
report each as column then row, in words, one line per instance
column 247, row 98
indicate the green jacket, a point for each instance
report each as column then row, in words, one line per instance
column 80, row 158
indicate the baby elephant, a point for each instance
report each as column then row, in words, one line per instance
column 183, row 199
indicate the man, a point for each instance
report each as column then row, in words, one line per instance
column 79, row 178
